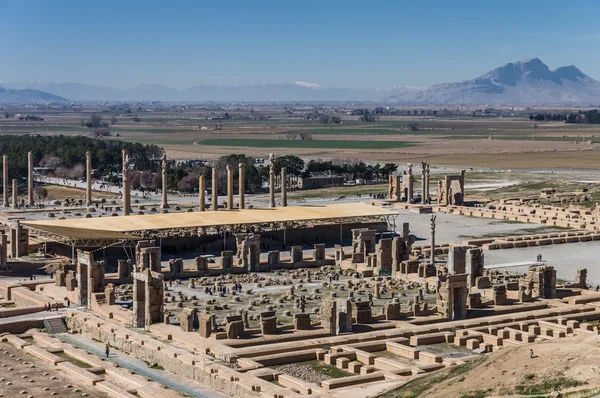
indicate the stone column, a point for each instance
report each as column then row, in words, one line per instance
column 229, row 187
column 5, row 181
column 164, row 204
column 201, row 193
column 15, row 194
column 284, row 187
column 433, row 217
column 126, row 194
column 88, row 174
column 410, row 181
column 427, row 177
column 215, row 190
column 30, row 200
column 271, row 180
column 241, row 183
column 423, row 183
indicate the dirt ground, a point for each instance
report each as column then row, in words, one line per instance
column 439, row 151
column 24, row 375
column 511, row 371
column 56, row 192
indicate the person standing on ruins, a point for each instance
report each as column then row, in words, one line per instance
column 107, row 350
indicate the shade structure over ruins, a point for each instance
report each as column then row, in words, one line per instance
column 142, row 226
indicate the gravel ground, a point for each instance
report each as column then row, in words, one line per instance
column 303, row 373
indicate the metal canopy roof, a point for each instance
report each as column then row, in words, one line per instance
column 180, row 224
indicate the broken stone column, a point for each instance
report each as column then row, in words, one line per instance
column 126, row 190
column 226, row 260
column 229, row 187
column 336, row 315
column 241, row 184
column 394, row 184
column 109, row 294
column 339, row 255
column 499, row 294
column 274, row 259
column 474, row 264
column 88, row 178
column 3, row 250
column 188, row 319
column 215, row 189
column 234, row 326
column 391, row 309
column 124, row 269
column 30, row 200
column 457, row 260
column 302, row 322
column 284, row 187
column 18, row 245
column 206, row 322
column 201, row 264
column 5, row 181
column 581, row 278
column 71, row 281
column 268, row 324
column 384, row 255
column 176, row 267
column 362, row 312
column 148, row 298
column 319, row 253
column 271, row 180
column 201, row 193
column 164, row 204
column 248, row 251
column 15, row 194
column 296, row 255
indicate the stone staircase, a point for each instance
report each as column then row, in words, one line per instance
column 55, row 325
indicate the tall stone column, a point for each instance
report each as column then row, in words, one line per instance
column 5, row 181
column 201, row 193
column 88, row 175
column 126, row 193
column 423, row 183
column 164, row 204
column 410, row 183
column 284, row 187
column 241, row 184
column 30, row 200
column 229, row 187
column 433, row 217
column 215, row 190
column 427, row 178
column 271, row 180
column 15, row 194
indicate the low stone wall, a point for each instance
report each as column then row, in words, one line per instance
column 21, row 326
column 202, row 368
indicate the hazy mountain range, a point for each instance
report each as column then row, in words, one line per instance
column 28, row 95
column 528, row 82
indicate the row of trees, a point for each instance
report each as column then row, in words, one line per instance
column 184, row 177
column 66, row 152
column 591, row 117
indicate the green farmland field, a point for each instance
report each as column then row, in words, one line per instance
column 318, row 144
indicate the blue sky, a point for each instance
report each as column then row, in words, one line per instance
column 334, row 43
